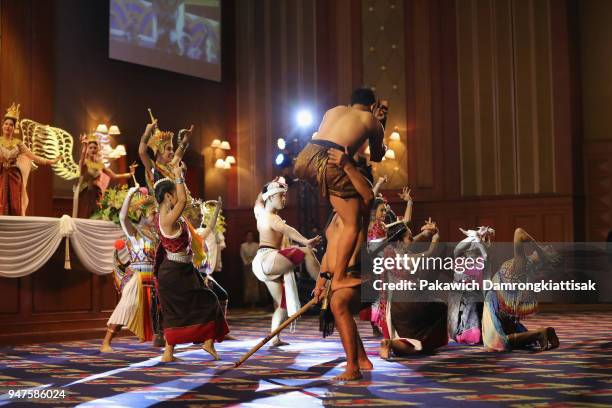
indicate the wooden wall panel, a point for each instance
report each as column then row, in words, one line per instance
column 540, row 216
column 9, row 301
column 598, row 189
column 26, row 70
column 554, row 226
column 74, row 292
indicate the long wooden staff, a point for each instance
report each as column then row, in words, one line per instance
column 269, row 337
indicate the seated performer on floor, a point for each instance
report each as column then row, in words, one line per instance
column 465, row 307
column 135, row 309
column 346, row 129
column 410, row 326
column 503, row 309
column 274, row 266
column 380, row 214
column 191, row 312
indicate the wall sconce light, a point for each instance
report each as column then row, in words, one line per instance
column 390, row 154
column 223, row 164
column 281, row 143
column 114, row 130
column 102, row 128
column 117, row 152
column 395, row 136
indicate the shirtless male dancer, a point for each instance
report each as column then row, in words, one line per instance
column 274, row 265
column 345, row 128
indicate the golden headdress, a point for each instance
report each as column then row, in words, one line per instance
column 13, row 113
column 159, row 139
column 142, row 204
column 193, row 209
column 92, row 138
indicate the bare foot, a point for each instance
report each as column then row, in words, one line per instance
column 106, row 348
column 168, row 359
column 209, row 347
column 385, row 349
column 168, row 355
column 552, row 338
column 348, row 375
column 278, row 342
column 543, row 339
column 347, row 282
column 366, row 365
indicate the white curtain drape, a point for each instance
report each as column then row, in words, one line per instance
column 27, row 243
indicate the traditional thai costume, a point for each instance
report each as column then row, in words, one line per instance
column 465, row 307
column 15, row 165
column 137, row 308
column 191, row 311
column 503, row 309
column 420, row 324
column 312, row 165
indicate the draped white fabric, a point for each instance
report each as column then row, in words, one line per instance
column 27, row 243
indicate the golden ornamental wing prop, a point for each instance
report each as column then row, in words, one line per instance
column 49, row 142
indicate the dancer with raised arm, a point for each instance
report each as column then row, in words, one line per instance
column 274, row 265
column 465, row 307
column 164, row 157
column 94, row 178
column 135, row 309
column 410, row 326
column 191, row 312
column 15, row 164
column 503, row 309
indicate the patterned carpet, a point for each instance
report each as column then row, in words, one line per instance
column 578, row 374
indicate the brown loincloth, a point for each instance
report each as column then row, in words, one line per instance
column 312, row 166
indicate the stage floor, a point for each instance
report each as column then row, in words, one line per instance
column 578, row 374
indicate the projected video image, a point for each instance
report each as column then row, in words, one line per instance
column 177, row 35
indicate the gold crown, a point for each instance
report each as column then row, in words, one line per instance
column 159, row 139
column 193, row 209
column 142, row 202
column 92, row 138
column 13, row 112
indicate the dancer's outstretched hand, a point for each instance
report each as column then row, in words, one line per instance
column 313, row 242
column 405, row 194
column 429, row 227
